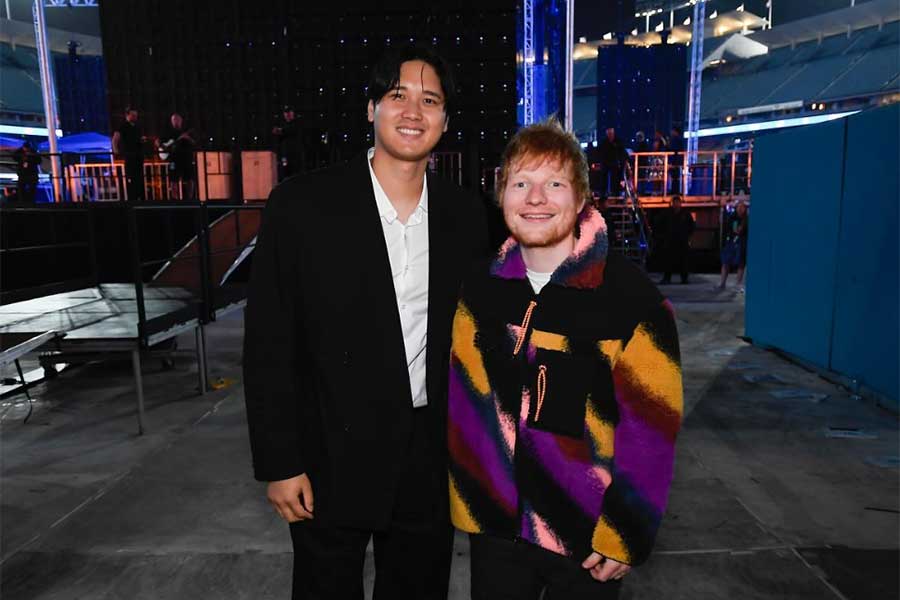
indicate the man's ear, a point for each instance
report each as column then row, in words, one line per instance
column 446, row 123
column 370, row 111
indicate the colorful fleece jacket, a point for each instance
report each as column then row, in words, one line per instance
column 564, row 406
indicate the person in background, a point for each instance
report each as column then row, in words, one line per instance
column 612, row 157
column 640, row 142
column 128, row 145
column 675, row 229
column 27, row 162
column 565, row 393
column 734, row 244
column 177, row 146
column 291, row 155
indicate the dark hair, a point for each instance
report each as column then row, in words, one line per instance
column 385, row 75
column 129, row 109
column 676, row 198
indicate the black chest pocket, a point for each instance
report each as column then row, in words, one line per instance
column 560, row 390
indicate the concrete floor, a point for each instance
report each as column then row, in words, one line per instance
column 764, row 504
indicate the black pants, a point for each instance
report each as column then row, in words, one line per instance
column 26, row 190
column 676, row 262
column 610, row 180
column 506, row 570
column 134, row 179
column 412, row 558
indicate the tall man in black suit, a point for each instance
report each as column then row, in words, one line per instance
column 355, row 268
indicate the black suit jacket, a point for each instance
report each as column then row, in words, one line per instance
column 325, row 374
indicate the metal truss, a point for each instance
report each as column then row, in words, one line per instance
column 695, row 90
column 70, row 3
column 528, row 61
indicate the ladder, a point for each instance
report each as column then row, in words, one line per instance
column 630, row 233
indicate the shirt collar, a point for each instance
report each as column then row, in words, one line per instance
column 386, row 210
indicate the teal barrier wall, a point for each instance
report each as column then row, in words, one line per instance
column 822, row 275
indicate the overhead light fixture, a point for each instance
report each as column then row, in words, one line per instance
column 607, row 36
column 729, row 119
column 766, row 125
column 634, row 31
column 582, row 40
column 659, row 27
column 714, row 14
column 740, row 8
column 687, row 21
column 35, row 131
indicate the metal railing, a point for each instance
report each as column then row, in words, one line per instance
column 212, row 178
column 206, row 285
column 96, row 182
column 716, row 177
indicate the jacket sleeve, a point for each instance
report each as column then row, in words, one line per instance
column 271, row 347
column 649, row 396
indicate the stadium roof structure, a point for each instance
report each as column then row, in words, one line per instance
column 724, row 24
column 20, row 33
column 843, row 20
column 725, row 27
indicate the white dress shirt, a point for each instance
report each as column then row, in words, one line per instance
column 407, row 246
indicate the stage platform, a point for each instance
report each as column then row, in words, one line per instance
column 93, row 323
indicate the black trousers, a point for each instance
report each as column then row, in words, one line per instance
column 676, row 262
column 26, row 190
column 610, row 180
column 412, row 557
column 134, row 179
column 506, row 570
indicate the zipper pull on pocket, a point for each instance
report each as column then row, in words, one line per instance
column 523, row 329
column 541, row 390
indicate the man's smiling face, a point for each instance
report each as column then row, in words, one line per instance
column 540, row 205
column 410, row 118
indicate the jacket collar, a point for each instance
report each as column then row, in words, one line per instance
column 583, row 269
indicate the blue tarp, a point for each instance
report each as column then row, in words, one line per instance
column 10, row 143
column 81, row 143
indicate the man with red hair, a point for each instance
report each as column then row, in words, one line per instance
column 565, row 392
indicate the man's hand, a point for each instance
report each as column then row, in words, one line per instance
column 604, row 569
column 292, row 498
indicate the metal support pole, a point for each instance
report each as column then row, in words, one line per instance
column 695, row 90
column 733, row 157
column 637, row 158
column 48, row 91
column 200, row 337
column 139, row 386
column 665, row 182
column 715, row 189
column 25, row 388
column 137, row 274
column 528, row 62
column 570, row 46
